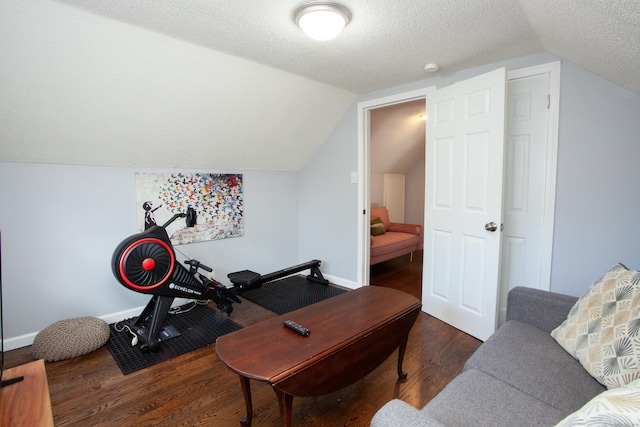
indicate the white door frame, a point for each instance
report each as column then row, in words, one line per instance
column 364, row 109
column 553, row 69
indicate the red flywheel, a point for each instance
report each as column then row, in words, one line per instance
column 146, row 263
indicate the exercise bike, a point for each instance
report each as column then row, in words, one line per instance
column 146, row 263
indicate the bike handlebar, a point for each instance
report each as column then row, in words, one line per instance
column 173, row 218
column 197, row 264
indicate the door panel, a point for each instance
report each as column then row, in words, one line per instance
column 441, row 270
column 464, row 150
column 525, row 184
column 476, row 172
column 443, row 171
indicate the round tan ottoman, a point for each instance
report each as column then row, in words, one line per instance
column 70, row 338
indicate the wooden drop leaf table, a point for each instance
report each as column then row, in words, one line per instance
column 350, row 335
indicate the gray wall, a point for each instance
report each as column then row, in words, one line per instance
column 60, row 225
column 599, row 148
column 328, row 202
column 597, row 197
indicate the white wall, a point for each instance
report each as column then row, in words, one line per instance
column 414, row 195
column 60, row 225
column 78, row 88
column 599, row 149
column 376, row 189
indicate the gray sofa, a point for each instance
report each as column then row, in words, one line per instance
column 519, row 377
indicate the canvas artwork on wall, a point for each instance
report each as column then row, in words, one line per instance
column 216, row 198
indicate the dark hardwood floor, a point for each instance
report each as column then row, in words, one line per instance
column 195, row 389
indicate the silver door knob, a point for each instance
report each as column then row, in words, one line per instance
column 491, row 226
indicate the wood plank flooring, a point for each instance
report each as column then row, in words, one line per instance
column 195, row 389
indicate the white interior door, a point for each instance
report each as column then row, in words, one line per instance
column 393, row 196
column 529, row 191
column 464, row 174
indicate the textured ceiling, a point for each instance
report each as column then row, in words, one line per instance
column 387, row 42
column 236, row 85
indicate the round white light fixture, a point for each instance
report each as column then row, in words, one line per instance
column 431, row 67
column 322, row 20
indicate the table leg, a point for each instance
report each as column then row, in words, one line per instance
column 285, row 402
column 246, row 391
column 401, row 374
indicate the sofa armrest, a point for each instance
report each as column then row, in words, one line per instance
column 542, row 309
column 399, row 413
column 405, row 228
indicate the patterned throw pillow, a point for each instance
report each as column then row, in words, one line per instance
column 377, row 226
column 602, row 329
column 617, row 407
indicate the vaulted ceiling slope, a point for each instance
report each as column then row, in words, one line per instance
column 396, row 142
column 80, row 88
column 387, row 42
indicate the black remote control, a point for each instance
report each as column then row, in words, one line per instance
column 298, row 328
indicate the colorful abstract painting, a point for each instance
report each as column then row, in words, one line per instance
column 216, row 198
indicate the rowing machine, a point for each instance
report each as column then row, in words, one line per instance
column 146, row 263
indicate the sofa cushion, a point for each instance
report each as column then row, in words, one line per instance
column 476, row 399
column 377, row 227
column 531, row 361
column 602, row 329
column 391, row 242
column 383, row 214
column 616, row 407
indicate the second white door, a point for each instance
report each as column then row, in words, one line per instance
column 529, row 189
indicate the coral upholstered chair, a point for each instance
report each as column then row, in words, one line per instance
column 392, row 239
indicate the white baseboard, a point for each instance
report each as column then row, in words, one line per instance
column 27, row 339
column 341, row 282
column 19, row 342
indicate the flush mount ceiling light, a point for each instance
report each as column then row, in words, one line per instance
column 431, row 67
column 322, row 20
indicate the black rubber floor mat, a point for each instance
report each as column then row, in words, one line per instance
column 198, row 327
column 290, row 293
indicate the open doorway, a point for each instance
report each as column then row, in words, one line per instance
column 378, row 120
column 397, row 185
column 396, row 147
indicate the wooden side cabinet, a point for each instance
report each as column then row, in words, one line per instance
column 26, row 403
